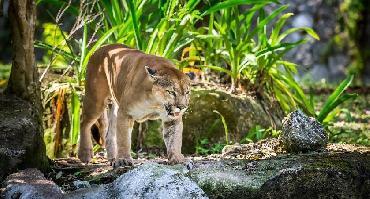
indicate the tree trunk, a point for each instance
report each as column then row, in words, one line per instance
column 20, row 112
column 23, row 80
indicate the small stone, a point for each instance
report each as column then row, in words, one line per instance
column 302, row 133
column 81, row 184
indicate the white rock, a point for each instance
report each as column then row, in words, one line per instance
column 147, row 181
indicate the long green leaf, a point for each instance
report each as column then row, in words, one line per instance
column 261, row 25
column 66, row 55
column 135, row 24
column 231, row 3
column 192, row 4
column 83, row 53
column 279, row 47
column 340, row 100
column 331, row 103
column 225, row 126
column 279, row 24
column 75, row 105
column 291, row 30
column 216, row 68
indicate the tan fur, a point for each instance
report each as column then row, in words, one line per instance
column 141, row 87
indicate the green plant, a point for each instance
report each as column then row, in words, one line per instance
column 329, row 110
column 166, row 26
column 258, row 133
column 253, row 50
column 335, row 99
column 228, row 37
column 4, row 74
column 224, row 125
column 75, row 122
column 204, row 147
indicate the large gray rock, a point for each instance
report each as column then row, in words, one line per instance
column 302, row 133
column 241, row 114
column 30, row 183
column 21, row 139
column 147, row 181
column 316, row 175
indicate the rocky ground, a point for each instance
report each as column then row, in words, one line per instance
column 262, row 169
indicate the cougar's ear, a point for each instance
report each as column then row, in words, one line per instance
column 151, row 72
column 191, row 75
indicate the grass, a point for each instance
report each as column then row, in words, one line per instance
column 352, row 121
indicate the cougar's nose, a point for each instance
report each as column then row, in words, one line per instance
column 177, row 111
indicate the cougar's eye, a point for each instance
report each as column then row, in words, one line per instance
column 171, row 92
column 187, row 92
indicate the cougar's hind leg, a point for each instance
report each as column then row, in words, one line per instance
column 94, row 103
column 89, row 117
column 111, row 136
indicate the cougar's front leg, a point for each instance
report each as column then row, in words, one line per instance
column 125, row 123
column 111, row 137
column 172, row 135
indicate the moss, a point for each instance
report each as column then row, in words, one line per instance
column 224, row 183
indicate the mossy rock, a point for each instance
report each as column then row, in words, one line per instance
column 315, row 175
column 21, row 139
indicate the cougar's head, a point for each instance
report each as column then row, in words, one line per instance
column 171, row 88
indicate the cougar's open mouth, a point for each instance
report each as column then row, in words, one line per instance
column 171, row 112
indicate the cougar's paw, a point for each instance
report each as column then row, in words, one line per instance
column 189, row 164
column 85, row 154
column 122, row 162
column 176, row 159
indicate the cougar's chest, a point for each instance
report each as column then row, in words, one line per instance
column 141, row 112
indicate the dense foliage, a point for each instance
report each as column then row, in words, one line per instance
column 240, row 38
